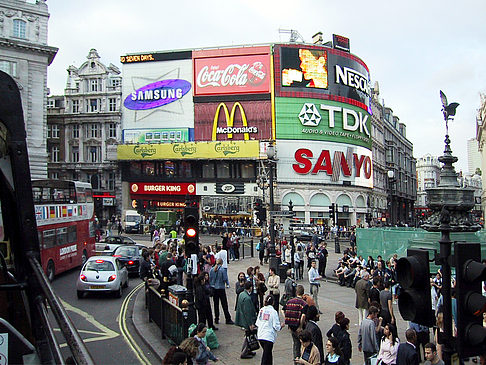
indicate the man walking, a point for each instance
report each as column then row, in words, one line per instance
column 294, row 312
column 312, row 317
column 407, row 353
column 245, row 317
column 314, row 278
column 218, row 278
column 367, row 341
column 362, row 294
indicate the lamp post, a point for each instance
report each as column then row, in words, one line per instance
column 291, row 230
column 271, row 249
column 391, row 205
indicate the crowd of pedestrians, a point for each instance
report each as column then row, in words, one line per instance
column 264, row 307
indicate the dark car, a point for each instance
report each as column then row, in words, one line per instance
column 130, row 256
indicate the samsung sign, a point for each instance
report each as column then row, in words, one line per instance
column 157, row 94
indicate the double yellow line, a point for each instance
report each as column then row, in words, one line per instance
column 122, row 322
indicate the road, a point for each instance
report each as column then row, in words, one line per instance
column 104, row 322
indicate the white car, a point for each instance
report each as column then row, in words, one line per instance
column 102, row 274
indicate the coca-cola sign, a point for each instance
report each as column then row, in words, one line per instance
column 242, row 74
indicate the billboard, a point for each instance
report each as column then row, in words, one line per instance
column 190, row 150
column 158, row 135
column 322, row 73
column 157, row 94
column 245, row 120
column 232, row 71
column 324, row 163
column 322, row 120
column 162, row 188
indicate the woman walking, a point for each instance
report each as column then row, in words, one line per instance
column 309, row 354
column 389, row 346
column 333, row 356
column 273, row 284
column 268, row 324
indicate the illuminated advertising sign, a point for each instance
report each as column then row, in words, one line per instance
column 246, row 120
column 322, row 120
column 190, row 150
column 166, row 135
column 322, row 73
column 232, row 71
column 157, row 95
column 324, row 163
column 163, row 188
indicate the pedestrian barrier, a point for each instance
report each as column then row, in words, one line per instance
column 170, row 318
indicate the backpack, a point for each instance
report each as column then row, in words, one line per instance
column 212, row 260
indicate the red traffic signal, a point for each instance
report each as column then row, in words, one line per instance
column 191, row 232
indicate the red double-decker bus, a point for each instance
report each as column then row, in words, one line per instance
column 64, row 212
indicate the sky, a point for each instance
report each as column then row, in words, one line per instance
column 413, row 49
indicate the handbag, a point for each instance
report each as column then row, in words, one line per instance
column 283, row 301
column 252, row 341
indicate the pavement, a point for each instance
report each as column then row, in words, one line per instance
column 332, row 298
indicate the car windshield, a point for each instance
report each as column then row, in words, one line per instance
column 128, row 240
column 112, row 240
column 126, row 251
column 99, row 265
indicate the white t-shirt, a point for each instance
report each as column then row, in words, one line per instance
column 268, row 324
column 223, row 255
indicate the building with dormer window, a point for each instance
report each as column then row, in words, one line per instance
column 84, row 128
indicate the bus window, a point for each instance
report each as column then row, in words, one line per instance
column 61, row 236
column 89, row 196
column 81, row 195
column 72, row 234
column 49, row 238
column 92, row 229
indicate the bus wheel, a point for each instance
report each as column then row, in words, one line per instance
column 84, row 257
column 51, row 271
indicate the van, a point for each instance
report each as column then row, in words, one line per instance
column 132, row 221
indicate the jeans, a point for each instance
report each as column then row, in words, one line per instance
column 231, row 253
column 296, row 346
column 267, row 356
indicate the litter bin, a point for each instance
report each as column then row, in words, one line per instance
column 282, row 272
column 337, row 246
column 177, row 293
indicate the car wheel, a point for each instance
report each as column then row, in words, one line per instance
column 84, row 257
column 119, row 292
column 50, row 271
column 80, row 294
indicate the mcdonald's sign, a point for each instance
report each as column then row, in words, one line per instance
column 233, row 121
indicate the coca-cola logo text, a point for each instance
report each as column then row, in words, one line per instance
column 232, row 75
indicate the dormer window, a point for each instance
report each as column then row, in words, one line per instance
column 19, row 28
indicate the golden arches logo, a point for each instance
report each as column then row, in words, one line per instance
column 230, row 116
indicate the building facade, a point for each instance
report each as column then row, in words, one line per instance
column 84, row 129
column 428, row 176
column 200, row 123
column 481, row 138
column 473, row 156
column 25, row 55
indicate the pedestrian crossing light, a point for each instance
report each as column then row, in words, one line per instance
column 413, row 275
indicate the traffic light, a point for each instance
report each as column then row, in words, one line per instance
column 331, row 211
column 260, row 212
column 471, row 304
column 191, row 229
column 413, row 275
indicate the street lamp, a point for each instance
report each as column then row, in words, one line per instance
column 391, row 206
column 271, row 248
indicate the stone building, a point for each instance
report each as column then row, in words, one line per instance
column 25, row 55
column 481, row 138
column 428, row 176
column 84, row 128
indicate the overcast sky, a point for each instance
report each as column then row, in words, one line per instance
column 413, row 48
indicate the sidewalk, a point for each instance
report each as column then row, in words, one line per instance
column 332, row 298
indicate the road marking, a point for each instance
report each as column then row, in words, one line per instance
column 105, row 333
column 123, row 327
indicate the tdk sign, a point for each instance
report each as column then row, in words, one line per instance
column 157, row 94
column 352, row 78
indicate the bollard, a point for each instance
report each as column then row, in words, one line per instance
column 251, row 248
column 243, row 248
column 337, row 248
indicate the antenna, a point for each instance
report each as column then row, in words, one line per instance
column 294, row 35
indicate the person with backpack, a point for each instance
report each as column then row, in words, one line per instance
column 294, row 312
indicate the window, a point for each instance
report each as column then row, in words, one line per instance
column 92, row 105
column 50, row 103
column 148, row 168
column 74, row 154
column 92, row 130
column 247, row 170
column 55, row 154
column 72, row 234
column 94, row 153
column 111, row 181
column 94, row 85
column 223, row 170
column 115, row 82
column 9, row 67
column 54, row 175
column 19, row 28
column 169, row 169
column 75, row 131
column 112, row 130
column 112, row 104
column 208, row 170
column 49, row 238
column 54, row 131
column 75, row 106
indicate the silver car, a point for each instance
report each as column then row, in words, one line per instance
column 102, row 274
